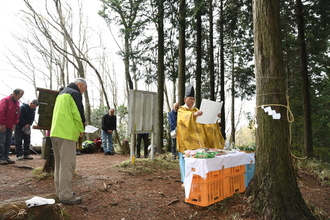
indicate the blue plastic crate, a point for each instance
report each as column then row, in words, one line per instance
column 249, row 172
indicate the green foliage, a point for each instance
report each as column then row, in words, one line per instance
column 96, row 120
column 317, row 212
column 320, row 169
column 317, row 35
column 322, row 153
column 238, row 42
column 147, row 166
column 248, row 148
column 133, row 16
column 40, row 175
column 122, row 121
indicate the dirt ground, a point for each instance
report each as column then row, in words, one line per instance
column 109, row 194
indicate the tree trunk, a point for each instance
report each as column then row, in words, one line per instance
column 198, row 53
column 182, row 54
column 174, row 92
column 167, row 101
column 211, row 54
column 222, row 73
column 305, row 82
column 273, row 191
column 232, row 119
column 161, row 75
column 126, row 62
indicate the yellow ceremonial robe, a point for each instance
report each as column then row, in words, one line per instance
column 192, row 135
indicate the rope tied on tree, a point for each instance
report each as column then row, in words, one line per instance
column 290, row 119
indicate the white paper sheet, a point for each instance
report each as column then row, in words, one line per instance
column 268, row 109
column 210, row 110
column 277, row 116
column 90, row 129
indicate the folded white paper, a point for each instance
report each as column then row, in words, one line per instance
column 37, row 201
column 268, row 109
column 277, row 116
column 90, row 129
column 210, row 110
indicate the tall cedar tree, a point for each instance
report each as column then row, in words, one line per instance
column 199, row 8
column 182, row 54
column 273, row 191
column 305, row 81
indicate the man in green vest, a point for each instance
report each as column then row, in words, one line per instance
column 68, row 124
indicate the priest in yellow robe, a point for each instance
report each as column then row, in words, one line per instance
column 191, row 135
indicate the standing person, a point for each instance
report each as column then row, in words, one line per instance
column 145, row 137
column 172, row 119
column 192, row 135
column 23, row 130
column 79, row 146
column 9, row 114
column 109, row 124
column 67, row 126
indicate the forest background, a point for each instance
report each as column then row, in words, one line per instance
column 56, row 41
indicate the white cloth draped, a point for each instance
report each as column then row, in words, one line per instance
column 202, row 166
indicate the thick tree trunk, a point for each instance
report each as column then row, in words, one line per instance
column 273, row 191
column 305, row 82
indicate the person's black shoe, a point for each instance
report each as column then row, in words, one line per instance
column 107, row 153
column 111, row 153
column 27, row 157
column 3, row 162
column 10, row 161
column 73, row 200
column 20, row 157
column 78, row 152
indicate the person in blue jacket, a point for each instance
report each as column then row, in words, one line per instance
column 68, row 124
column 23, row 130
column 172, row 119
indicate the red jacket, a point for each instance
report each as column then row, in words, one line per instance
column 9, row 112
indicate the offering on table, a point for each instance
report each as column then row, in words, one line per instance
column 204, row 153
column 247, row 149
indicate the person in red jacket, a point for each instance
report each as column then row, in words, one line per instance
column 9, row 115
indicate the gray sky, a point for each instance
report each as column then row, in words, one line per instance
column 10, row 24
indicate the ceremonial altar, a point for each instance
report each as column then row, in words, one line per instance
column 213, row 182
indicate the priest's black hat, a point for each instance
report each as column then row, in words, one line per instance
column 189, row 92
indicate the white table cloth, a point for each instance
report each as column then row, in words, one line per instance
column 202, row 166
